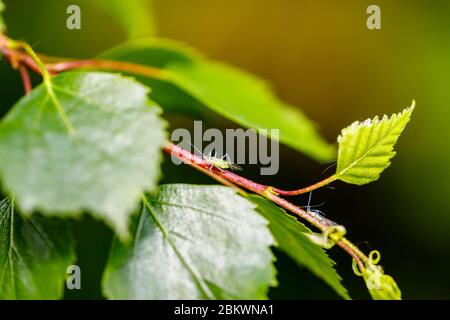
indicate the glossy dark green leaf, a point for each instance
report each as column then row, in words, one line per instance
column 94, row 146
column 193, row 242
column 288, row 233
column 34, row 255
column 230, row 92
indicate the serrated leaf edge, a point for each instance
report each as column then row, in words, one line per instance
column 372, row 122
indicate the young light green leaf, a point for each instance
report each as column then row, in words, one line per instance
column 365, row 148
column 2, row 22
column 232, row 93
column 381, row 286
column 136, row 16
column 193, row 242
column 34, row 255
column 94, row 145
column 289, row 234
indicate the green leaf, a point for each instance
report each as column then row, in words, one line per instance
column 381, row 286
column 2, row 22
column 34, row 255
column 193, row 242
column 365, row 148
column 289, row 234
column 137, row 16
column 232, row 93
column 91, row 143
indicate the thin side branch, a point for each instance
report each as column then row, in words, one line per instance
column 24, row 74
column 20, row 58
column 310, row 188
column 133, row 68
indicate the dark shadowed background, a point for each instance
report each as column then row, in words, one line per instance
column 320, row 56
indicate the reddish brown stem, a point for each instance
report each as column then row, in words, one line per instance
column 297, row 210
column 354, row 254
column 317, row 223
column 307, row 189
column 263, row 190
column 20, row 58
column 192, row 159
column 23, row 58
column 136, row 69
column 25, row 79
column 260, row 189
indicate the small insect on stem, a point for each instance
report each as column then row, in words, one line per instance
column 319, row 215
column 220, row 163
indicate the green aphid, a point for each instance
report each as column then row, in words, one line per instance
column 221, row 163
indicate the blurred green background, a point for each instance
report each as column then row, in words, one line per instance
column 320, row 56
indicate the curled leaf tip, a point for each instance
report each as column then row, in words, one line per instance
column 374, row 257
column 380, row 285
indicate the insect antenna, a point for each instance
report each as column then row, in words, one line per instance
column 309, row 206
column 196, row 149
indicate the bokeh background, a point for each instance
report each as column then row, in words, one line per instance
column 320, row 56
